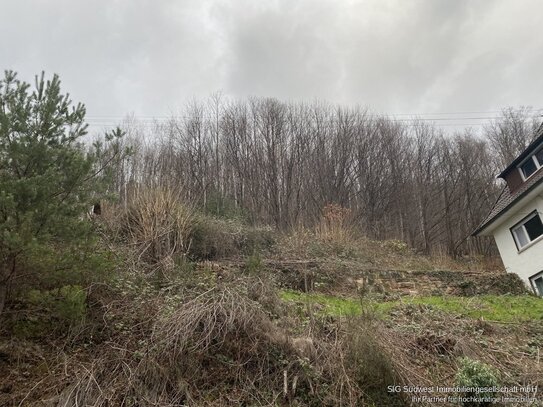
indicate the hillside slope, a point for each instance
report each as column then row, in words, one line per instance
column 299, row 319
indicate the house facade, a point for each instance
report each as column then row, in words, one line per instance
column 516, row 220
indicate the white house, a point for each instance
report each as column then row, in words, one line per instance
column 516, row 219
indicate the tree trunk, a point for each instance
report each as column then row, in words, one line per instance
column 6, row 275
column 3, row 294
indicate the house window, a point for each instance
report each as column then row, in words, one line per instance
column 531, row 164
column 537, row 283
column 539, row 156
column 527, row 230
column 528, row 168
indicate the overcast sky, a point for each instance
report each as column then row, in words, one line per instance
column 149, row 57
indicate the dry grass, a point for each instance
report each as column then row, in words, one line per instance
column 217, row 337
column 426, row 346
column 155, row 226
column 335, row 225
column 223, row 345
column 335, row 238
column 219, row 348
column 159, row 224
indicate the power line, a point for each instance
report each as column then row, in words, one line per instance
column 110, row 121
column 445, row 121
column 414, row 115
column 142, row 118
column 453, row 113
column 149, row 125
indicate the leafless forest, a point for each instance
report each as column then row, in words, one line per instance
column 280, row 163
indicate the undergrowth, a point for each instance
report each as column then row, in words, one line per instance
column 185, row 309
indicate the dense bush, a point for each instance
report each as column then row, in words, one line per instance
column 50, row 312
column 213, row 238
column 473, row 373
column 371, row 365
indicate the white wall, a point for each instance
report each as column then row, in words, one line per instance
column 529, row 261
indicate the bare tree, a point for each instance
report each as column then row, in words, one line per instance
column 283, row 163
column 511, row 134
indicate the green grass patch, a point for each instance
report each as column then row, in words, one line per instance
column 502, row 308
column 336, row 306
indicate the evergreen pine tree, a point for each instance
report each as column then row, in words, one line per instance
column 46, row 176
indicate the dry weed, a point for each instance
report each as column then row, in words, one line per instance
column 335, row 225
column 195, row 354
column 158, row 224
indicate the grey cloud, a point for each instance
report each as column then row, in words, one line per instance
column 150, row 57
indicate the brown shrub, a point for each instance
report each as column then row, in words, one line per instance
column 335, row 225
column 159, row 224
column 370, row 362
column 219, row 348
column 441, row 345
column 155, row 225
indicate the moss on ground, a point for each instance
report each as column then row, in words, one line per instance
column 502, row 308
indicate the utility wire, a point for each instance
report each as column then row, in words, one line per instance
column 367, row 114
column 113, row 121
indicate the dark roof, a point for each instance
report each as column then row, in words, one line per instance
column 538, row 138
column 508, row 199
